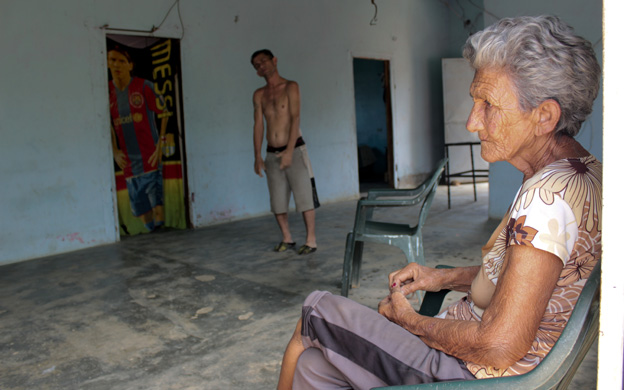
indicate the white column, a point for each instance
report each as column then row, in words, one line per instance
column 611, row 337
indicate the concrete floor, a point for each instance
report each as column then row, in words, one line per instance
column 211, row 308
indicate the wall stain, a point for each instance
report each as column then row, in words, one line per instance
column 71, row 238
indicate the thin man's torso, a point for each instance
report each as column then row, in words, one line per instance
column 276, row 112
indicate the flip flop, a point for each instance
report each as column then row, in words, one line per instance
column 305, row 250
column 282, row 246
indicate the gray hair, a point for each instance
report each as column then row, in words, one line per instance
column 545, row 60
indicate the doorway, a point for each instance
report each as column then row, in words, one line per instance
column 373, row 111
column 147, row 133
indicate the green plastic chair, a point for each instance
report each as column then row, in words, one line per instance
column 558, row 367
column 407, row 238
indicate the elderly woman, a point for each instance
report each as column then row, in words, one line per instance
column 534, row 85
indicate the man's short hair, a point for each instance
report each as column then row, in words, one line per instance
column 266, row 52
column 123, row 52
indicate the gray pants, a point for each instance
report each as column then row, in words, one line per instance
column 350, row 346
column 297, row 179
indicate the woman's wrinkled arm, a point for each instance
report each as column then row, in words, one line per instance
column 414, row 277
column 508, row 325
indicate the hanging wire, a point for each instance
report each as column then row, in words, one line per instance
column 461, row 15
column 374, row 19
column 180, row 18
column 599, row 41
column 154, row 28
column 469, row 24
column 484, row 10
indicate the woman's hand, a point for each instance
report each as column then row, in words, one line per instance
column 414, row 277
column 396, row 308
column 411, row 278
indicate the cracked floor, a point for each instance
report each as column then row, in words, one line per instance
column 210, row 308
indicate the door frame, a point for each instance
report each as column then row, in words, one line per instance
column 126, row 38
column 389, row 91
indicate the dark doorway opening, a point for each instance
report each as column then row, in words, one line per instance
column 373, row 112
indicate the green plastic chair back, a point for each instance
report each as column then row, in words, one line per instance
column 407, row 238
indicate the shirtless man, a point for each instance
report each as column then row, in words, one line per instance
column 287, row 165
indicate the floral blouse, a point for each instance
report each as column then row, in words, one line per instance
column 559, row 211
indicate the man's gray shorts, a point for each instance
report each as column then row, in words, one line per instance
column 297, row 179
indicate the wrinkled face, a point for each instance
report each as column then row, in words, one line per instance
column 264, row 65
column 504, row 129
column 119, row 64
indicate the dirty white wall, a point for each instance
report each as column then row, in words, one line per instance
column 314, row 43
column 58, row 187
column 586, row 19
column 57, row 192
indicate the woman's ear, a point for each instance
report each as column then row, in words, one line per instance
column 548, row 114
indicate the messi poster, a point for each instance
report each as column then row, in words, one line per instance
column 146, row 132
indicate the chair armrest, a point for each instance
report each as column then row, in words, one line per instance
column 432, row 302
column 414, row 192
column 390, row 202
column 399, row 198
column 385, row 193
column 365, row 207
